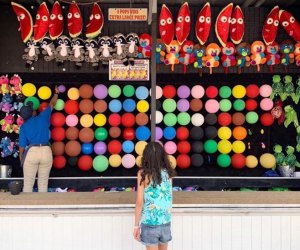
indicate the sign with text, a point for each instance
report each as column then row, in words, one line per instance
column 137, row 72
column 127, row 14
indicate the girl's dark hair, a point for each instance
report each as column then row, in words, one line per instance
column 154, row 160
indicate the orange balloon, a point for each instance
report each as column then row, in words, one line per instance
column 239, row 133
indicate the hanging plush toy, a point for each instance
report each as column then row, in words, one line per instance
column 277, row 87
column 183, row 23
column 278, row 112
column 228, row 56
column 237, row 25
column 120, row 47
column 257, row 54
column 18, row 104
column 132, row 40
column 42, row 20
column 287, row 52
column 211, row 59
column 290, row 24
column 7, row 147
column 107, row 51
column 4, row 84
column 166, row 25
column 96, row 22
column 222, row 24
column 19, row 123
column 7, row 123
column 270, row 28
column 243, row 51
column 290, row 116
column 48, row 49
column 56, row 24
column 78, row 53
column 74, row 20
column 278, row 154
column 199, row 53
column 203, row 24
column 297, row 54
column 63, row 49
column 160, row 52
column 186, row 55
column 16, row 83
column 290, row 158
column 92, row 53
column 298, row 139
column 31, row 52
column 25, row 21
column 288, row 89
column 6, row 104
column 297, row 96
column 145, row 46
column 172, row 56
column 272, row 55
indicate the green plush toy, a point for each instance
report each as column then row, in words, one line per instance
column 290, row 158
column 297, row 94
column 288, row 89
column 277, row 87
column 279, row 156
column 290, row 116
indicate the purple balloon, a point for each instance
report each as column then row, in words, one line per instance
column 183, row 105
column 183, row 91
column 100, row 91
column 100, row 148
column 158, row 133
column 61, row 88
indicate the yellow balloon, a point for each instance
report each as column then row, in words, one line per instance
column 142, row 106
column 100, row 120
column 267, row 160
column 28, row 89
column 139, row 147
column 224, row 133
column 86, row 121
column 224, row 146
column 238, row 147
column 251, row 161
column 138, row 161
column 239, row 91
column 44, row 92
column 73, row 93
column 115, row 160
column 172, row 160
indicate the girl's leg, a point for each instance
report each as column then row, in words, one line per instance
column 163, row 246
column 152, row 247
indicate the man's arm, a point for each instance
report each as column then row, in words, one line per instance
column 21, row 151
column 54, row 98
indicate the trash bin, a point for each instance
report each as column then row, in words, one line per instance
column 5, row 171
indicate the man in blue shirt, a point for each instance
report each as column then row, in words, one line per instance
column 35, row 151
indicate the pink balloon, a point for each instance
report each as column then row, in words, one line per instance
column 265, row 90
column 266, row 104
column 71, row 120
column 197, row 91
column 170, row 147
column 212, row 106
column 128, row 161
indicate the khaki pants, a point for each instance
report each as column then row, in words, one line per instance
column 38, row 161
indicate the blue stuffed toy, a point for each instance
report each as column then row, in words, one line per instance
column 8, row 147
column 6, row 103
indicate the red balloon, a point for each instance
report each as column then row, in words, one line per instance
column 85, row 162
column 57, row 119
column 114, row 120
column 252, row 91
column 182, row 133
column 266, row 119
column 129, row 134
column 183, row 161
column 71, row 107
column 169, row 91
column 224, row 119
column 114, row 147
column 59, row 162
column 43, row 106
column 128, row 120
column 211, row 91
column 251, row 104
column 58, row 134
column 184, row 147
column 238, row 161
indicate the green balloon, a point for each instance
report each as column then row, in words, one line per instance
column 225, row 92
column 128, row 91
column 223, row 160
column 210, row 146
column 101, row 134
column 34, row 100
column 183, row 118
column 114, row 91
column 169, row 105
column 100, row 163
column 225, row 105
column 170, row 119
column 239, row 105
column 251, row 117
column 59, row 105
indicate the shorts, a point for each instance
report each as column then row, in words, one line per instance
column 155, row 235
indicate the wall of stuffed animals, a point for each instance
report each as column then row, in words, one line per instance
column 227, row 88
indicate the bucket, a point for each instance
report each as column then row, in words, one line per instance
column 5, row 171
column 286, row 171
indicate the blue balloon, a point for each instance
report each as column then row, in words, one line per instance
column 129, row 105
column 142, row 133
column 128, row 146
column 87, row 148
column 169, row 133
column 142, row 93
column 115, row 106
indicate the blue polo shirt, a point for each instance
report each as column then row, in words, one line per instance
column 36, row 129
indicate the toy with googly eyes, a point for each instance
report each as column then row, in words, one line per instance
column 272, row 55
column 172, row 55
column 92, row 53
column 237, row 25
column 96, row 22
column 183, row 23
column 166, row 25
column 132, row 48
column 186, row 55
column 63, row 49
column 41, row 25
column 199, row 53
column 107, row 51
column 258, row 56
column 145, row 46
column 56, row 23
column 290, row 24
column 48, row 49
column 203, row 24
column 74, row 20
column 270, row 28
column 287, row 52
column 78, row 53
column 243, row 51
column 297, row 54
column 222, row 24
column 228, row 56
column 211, row 59
column 32, row 52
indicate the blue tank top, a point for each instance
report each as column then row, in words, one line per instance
column 158, row 202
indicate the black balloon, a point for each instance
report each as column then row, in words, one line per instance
column 73, row 161
column 158, row 105
column 197, row 147
column 211, row 132
column 197, row 133
column 211, row 119
column 197, row 160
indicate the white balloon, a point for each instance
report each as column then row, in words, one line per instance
column 197, row 119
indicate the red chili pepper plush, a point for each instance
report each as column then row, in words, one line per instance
column 237, row 25
column 290, row 24
column 270, row 28
column 96, row 22
column 74, row 20
column 223, row 24
column 203, row 24
column 25, row 20
column 41, row 25
column 56, row 24
column 166, row 25
column 183, row 23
